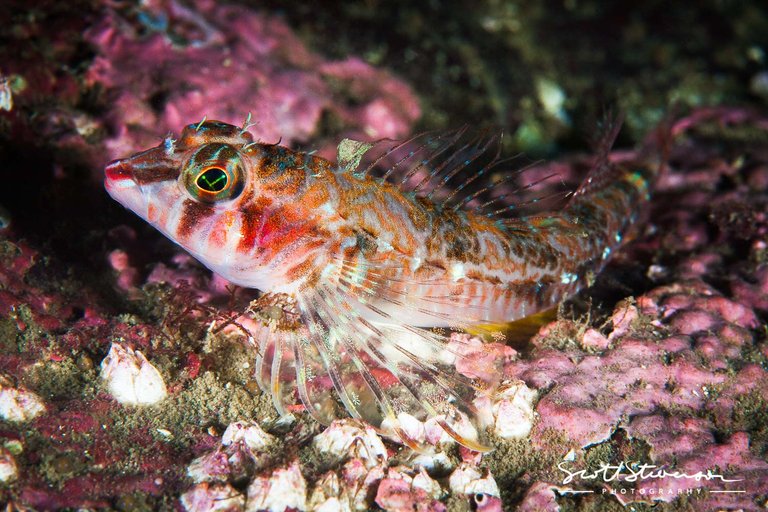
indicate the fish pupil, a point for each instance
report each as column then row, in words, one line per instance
column 212, row 180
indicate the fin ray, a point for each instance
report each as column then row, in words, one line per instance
column 376, row 371
column 459, row 169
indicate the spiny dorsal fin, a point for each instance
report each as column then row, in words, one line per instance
column 602, row 172
column 458, row 169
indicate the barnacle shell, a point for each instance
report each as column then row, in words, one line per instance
column 8, row 469
column 351, row 488
column 329, row 495
column 284, row 489
column 482, row 488
column 215, row 466
column 513, row 411
column 212, row 498
column 249, row 433
column 468, row 479
column 243, row 446
column 402, row 489
column 430, row 436
column 348, row 438
column 130, row 378
column 359, row 482
column 17, row 403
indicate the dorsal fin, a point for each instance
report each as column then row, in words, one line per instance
column 602, row 172
column 458, row 169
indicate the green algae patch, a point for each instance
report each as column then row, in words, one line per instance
column 232, row 359
column 63, row 379
column 57, row 468
column 135, row 502
column 750, row 414
column 510, row 460
column 207, row 401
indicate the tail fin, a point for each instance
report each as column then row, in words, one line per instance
column 657, row 145
column 651, row 157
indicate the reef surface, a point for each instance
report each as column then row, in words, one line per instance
column 125, row 384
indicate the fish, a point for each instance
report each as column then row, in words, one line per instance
column 373, row 260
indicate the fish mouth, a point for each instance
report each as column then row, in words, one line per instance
column 121, row 185
column 118, row 175
column 117, row 170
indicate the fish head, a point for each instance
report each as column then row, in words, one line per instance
column 201, row 191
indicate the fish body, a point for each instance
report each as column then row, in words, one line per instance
column 371, row 262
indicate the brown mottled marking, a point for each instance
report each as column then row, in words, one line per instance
column 302, row 270
column 287, row 183
column 417, row 211
column 315, row 195
column 192, row 214
column 269, row 165
column 252, row 218
column 157, row 172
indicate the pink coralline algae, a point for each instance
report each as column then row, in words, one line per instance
column 222, row 62
column 589, row 395
column 689, row 446
column 675, row 359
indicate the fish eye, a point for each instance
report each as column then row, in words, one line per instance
column 212, row 179
column 214, row 173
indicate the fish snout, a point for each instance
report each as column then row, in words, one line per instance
column 117, row 170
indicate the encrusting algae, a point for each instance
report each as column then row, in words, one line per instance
column 370, row 268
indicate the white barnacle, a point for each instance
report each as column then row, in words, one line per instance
column 130, row 377
column 284, row 489
column 568, row 278
column 8, row 469
column 347, row 438
column 249, row 433
column 606, row 252
column 6, row 94
column 212, row 497
column 18, row 404
column 513, row 411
